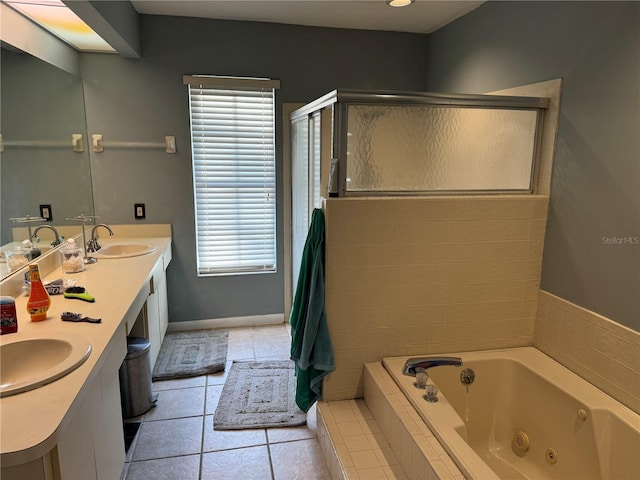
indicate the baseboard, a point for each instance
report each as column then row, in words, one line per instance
column 250, row 321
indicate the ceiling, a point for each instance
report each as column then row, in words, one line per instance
column 421, row 17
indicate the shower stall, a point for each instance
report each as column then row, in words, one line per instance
column 372, row 143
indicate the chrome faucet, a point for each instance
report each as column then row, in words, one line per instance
column 92, row 244
column 57, row 241
column 413, row 364
column 417, row 367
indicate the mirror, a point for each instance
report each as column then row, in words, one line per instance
column 41, row 104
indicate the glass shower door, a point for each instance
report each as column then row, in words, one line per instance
column 305, row 184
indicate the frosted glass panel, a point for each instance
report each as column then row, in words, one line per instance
column 429, row 148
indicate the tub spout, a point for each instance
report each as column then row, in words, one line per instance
column 413, row 364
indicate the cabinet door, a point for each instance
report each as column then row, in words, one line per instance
column 75, row 450
column 153, row 325
column 92, row 446
column 157, row 311
column 163, row 305
column 108, row 435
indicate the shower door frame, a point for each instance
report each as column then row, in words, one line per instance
column 341, row 99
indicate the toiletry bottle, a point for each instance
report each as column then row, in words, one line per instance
column 8, row 316
column 39, row 300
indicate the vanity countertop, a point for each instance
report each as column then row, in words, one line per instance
column 31, row 422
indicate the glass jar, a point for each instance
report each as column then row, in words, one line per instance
column 71, row 257
column 16, row 259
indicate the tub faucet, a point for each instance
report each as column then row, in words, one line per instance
column 56, row 241
column 93, row 245
column 413, row 364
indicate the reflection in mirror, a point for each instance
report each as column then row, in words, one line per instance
column 43, row 105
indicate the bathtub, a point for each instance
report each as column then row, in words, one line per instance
column 525, row 416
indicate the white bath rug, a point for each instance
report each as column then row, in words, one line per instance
column 189, row 354
column 259, row 395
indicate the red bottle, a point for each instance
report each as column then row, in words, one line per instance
column 8, row 317
column 39, row 300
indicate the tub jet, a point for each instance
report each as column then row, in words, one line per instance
column 520, row 443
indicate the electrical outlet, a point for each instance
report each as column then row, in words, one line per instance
column 45, row 212
column 139, row 212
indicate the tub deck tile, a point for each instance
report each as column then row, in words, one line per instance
column 357, row 443
column 453, row 469
column 441, row 470
column 359, row 452
column 383, row 438
column 391, row 408
column 395, row 472
column 425, row 447
column 386, row 457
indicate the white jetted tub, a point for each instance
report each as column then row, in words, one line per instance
column 525, row 416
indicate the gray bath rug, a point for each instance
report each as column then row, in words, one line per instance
column 189, row 354
column 259, row 395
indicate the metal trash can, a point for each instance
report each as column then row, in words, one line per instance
column 135, row 379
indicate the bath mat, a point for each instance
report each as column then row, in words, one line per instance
column 189, row 354
column 259, row 395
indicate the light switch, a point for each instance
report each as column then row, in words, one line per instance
column 45, row 212
column 139, row 211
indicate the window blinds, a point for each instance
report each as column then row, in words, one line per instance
column 233, row 155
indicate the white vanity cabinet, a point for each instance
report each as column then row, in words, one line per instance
column 157, row 307
column 91, row 445
column 153, row 319
column 72, row 429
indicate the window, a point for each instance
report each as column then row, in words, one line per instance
column 233, row 155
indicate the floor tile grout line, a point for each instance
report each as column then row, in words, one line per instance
column 179, row 388
column 204, row 427
column 163, row 458
column 273, row 475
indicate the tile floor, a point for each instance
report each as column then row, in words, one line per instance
column 176, row 440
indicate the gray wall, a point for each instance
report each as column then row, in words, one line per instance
column 144, row 100
column 592, row 255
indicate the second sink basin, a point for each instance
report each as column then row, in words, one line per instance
column 26, row 364
column 123, row 250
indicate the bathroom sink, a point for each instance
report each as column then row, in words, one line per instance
column 123, row 250
column 26, row 364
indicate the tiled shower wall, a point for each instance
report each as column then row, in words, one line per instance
column 601, row 351
column 409, row 275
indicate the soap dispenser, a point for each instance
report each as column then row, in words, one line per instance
column 71, row 257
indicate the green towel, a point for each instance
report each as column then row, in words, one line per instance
column 310, row 342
